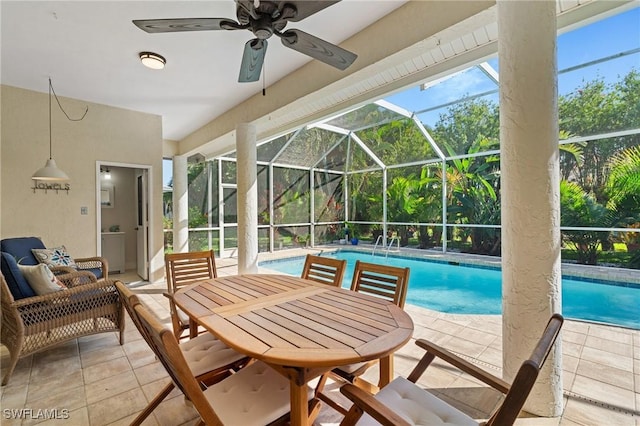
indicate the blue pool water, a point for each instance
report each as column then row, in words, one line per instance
column 477, row 290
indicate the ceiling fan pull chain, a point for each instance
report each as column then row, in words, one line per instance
column 264, row 88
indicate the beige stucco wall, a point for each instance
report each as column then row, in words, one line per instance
column 106, row 134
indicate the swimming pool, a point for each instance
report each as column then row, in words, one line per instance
column 468, row 289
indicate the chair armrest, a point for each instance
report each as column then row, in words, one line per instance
column 94, row 262
column 77, row 278
column 60, row 270
column 462, row 364
column 364, row 401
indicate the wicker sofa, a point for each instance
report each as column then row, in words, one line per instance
column 36, row 323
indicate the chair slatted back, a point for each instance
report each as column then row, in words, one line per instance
column 185, row 268
column 130, row 300
column 166, row 348
column 388, row 282
column 182, row 270
column 324, row 270
column 527, row 374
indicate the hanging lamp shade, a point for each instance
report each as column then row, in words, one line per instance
column 50, row 172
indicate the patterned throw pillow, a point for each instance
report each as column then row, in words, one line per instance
column 57, row 256
column 41, row 279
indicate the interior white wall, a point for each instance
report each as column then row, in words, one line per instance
column 123, row 212
column 106, row 134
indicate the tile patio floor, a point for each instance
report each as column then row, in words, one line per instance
column 102, row 383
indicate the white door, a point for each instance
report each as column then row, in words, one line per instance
column 142, row 224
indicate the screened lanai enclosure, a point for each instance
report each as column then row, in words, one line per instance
column 421, row 168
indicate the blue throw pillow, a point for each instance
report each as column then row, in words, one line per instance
column 18, row 285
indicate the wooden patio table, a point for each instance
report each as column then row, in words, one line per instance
column 299, row 327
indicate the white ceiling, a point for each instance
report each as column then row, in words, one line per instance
column 90, row 51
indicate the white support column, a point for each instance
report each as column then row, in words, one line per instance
column 180, row 205
column 530, row 191
column 247, row 198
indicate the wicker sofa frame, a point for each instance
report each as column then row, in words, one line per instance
column 35, row 324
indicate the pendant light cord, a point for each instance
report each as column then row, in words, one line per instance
column 51, row 89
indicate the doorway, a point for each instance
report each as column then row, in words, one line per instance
column 123, row 217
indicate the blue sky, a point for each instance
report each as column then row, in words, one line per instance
column 604, row 38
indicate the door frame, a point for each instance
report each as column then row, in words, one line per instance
column 150, row 205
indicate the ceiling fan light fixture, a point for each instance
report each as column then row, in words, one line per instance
column 152, row 60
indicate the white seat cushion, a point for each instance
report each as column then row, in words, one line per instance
column 417, row 406
column 255, row 395
column 205, row 353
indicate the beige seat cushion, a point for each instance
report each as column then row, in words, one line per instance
column 417, row 406
column 205, row 353
column 255, row 395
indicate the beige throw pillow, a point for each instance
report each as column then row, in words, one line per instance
column 41, row 279
column 56, row 256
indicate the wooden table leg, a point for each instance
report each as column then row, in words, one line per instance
column 193, row 328
column 299, row 404
column 386, row 371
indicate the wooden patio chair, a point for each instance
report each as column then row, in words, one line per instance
column 387, row 282
column 324, row 270
column 183, row 269
column 255, row 395
column 208, row 358
column 387, row 408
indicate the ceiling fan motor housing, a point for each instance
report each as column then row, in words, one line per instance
column 264, row 26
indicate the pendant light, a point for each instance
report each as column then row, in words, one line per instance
column 50, row 172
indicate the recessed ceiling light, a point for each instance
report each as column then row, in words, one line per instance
column 152, row 60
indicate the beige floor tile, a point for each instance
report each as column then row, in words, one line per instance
column 604, row 393
column 570, row 363
column 612, row 346
column 139, row 353
column 79, row 417
column 577, row 327
column 150, row 373
column 176, row 410
column 60, row 404
column 98, row 341
column 126, row 421
column 110, row 386
column 607, row 358
column 44, row 370
column 586, row 413
column 117, row 407
column 101, row 355
column 39, row 389
column 106, row 369
column 573, row 337
column 572, row 349
column 615, row 334
column 605, row 374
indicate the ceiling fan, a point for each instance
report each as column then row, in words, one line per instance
column 264, row 19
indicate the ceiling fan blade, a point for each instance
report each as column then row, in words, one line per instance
column 317, row 48
column 252, row 60
column 307, row 8
column 184, row 24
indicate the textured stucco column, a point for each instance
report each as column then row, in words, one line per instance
column 247, row 199
column 180, row 205
column 530, row 191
